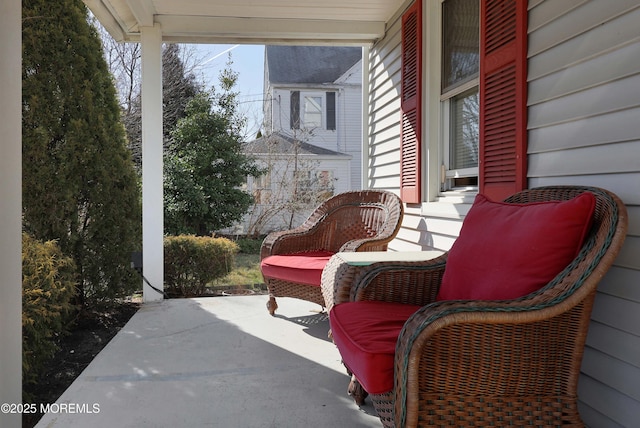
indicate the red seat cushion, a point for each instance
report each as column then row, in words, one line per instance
column 506, row 251
column 366, row 334
column 304, row 268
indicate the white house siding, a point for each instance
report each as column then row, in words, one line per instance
column 584, row 128
column 338, row 166
column 347, row 136
column 383, row 112
column 349, row 121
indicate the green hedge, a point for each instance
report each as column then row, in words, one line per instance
column 191, row 262
column 48, row 286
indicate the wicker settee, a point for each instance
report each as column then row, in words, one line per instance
column 292, row 261
column 474, row 362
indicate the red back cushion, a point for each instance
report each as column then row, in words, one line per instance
column 506, row 251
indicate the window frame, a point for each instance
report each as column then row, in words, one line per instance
column 304, row 95
column 450, row 174
column 328, row 109
column 503, row 64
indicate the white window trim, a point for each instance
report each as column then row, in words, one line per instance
column 436, row 112
column 323, row 109
column 432, row 112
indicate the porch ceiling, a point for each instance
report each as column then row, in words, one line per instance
column 354, row 22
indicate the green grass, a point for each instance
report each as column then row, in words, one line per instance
column 245, row 273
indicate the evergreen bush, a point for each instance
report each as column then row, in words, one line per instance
column 79, row 184
column 48, row 284
column 191, row 262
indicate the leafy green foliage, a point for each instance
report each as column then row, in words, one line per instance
column 250, row 245
column 48, row 283
column 191, row 262
column 205, row 165
column 79, row 184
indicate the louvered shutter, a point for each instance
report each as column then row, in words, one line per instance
column 411, row 93
column 295, row 110
column 503, row 97
column 331, row 111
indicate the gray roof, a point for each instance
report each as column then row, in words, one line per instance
column 309, row 64
column 284, row 144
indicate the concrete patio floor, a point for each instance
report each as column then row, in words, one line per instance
column 215, row 362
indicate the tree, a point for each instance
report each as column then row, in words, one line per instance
column 179, row 85
column 205, row 166
column 292, row 185
column 79, row 184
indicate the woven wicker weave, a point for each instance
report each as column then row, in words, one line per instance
column 351, row 221
column 487, row 363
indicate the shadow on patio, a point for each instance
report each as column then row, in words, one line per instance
column 216, row 362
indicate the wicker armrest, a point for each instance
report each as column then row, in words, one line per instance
column 288, row 241
column 415, row 282
column 507, row 344
column 366, row 244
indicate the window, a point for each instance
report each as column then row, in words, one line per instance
column 262, row 189
column 475, row 98
column 313, row 110
column 459, row 91
column 313, row 186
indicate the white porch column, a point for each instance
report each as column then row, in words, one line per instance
column 10, row 209
column 365, row 117
column 152, row 204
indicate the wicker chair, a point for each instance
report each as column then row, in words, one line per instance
column 487, row 363
column 351, row 221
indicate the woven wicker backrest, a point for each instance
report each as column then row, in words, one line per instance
column 356, row 215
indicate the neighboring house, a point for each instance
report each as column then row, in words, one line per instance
column 312, row 143
column 300, row 176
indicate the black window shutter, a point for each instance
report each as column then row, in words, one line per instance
column 331, row 111
column 295, row 109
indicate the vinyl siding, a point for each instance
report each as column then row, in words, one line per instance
column 583, row 111
column 384, row 112
column 346, row 138
column 283, row 173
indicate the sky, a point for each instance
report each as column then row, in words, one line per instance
column 248, row 62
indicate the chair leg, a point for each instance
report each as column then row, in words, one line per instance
column 357, row 391
column 272, row 305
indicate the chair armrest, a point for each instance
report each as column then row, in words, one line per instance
column 317, row 236
column 366, row 244
column 286, row 241
column 415, row 282
column 516, row 348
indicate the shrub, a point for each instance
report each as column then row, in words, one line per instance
column 48, row 285
column 249, row 245
column 79, row 185
column 191, row 262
